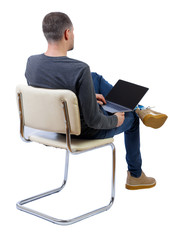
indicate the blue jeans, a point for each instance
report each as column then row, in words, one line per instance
column 130, row 127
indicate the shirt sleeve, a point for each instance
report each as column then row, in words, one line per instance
column 93, row 117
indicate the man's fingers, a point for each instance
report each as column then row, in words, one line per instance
column 100, row 102
column 100, row 98
column 103, row 99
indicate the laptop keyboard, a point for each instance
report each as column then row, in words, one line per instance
column 112, row 107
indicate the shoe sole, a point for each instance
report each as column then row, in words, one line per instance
column 137, row 187
column 154, row 121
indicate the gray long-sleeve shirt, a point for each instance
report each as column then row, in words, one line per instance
column 66, row 73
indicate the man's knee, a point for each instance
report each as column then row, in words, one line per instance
column 133, row 120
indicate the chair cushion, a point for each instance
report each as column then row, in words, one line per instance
column 59, row 141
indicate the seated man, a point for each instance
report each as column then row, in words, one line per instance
column 55, row 70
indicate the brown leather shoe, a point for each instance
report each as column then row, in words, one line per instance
column 151, row 118
column 142, row 182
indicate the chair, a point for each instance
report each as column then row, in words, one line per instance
column 54, row 114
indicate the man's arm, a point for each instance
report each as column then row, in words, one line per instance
column 93, row 117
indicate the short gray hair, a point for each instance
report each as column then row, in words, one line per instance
column 54, row 25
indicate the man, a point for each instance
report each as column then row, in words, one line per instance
column 55, row 70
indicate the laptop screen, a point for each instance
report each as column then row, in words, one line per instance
column 126, row 94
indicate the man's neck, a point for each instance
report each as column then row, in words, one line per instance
column 56, row 50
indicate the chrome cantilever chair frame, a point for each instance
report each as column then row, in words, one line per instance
column 21, row 204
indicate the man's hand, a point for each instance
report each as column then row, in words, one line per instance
column 120, row 115
column 100, row 99
column 121, row 118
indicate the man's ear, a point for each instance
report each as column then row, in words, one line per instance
column 66, row 34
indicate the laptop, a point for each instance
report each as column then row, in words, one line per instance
column 124, row 97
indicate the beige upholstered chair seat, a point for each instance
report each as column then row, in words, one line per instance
column 59, row 141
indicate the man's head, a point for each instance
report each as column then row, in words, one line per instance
column 58, row 26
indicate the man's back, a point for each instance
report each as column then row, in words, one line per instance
column 66, row 73
column 54, row 72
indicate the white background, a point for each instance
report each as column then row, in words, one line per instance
column 136, row 40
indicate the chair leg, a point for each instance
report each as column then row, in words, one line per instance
column 20, row 204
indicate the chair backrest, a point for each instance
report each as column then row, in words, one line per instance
column 43, row 109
